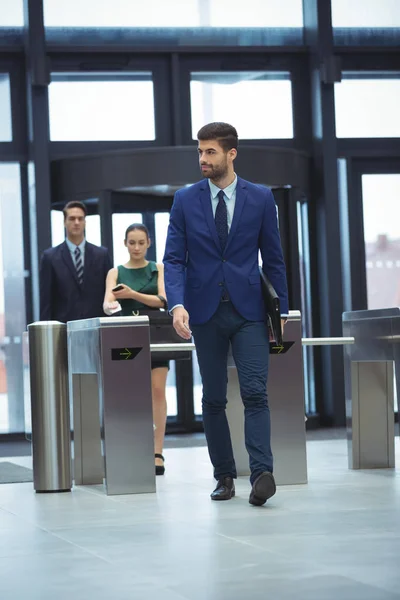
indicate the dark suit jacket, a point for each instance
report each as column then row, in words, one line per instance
column 61, row 296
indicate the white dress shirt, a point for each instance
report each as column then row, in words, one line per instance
column 72, row 247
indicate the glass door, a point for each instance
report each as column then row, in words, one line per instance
column 381, row 217
column 125, row 212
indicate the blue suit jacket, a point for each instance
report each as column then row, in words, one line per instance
column 195, row 267
column 61, row 296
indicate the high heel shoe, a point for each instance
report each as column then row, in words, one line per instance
column 160, row 469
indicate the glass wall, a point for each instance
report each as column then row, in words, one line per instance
column 368, row 105
column 12, row 300
column 102, row 107
column 258, row 103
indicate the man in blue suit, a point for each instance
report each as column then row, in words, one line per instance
column 73, row 274
column 217, row 228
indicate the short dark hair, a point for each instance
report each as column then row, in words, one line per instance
column 137, row 227
column 74, row 204
column 225, row 134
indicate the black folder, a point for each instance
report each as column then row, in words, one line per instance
column 272, row 308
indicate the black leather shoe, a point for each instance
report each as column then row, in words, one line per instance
column 263, row 488
column 225, row 489
column 160, row 469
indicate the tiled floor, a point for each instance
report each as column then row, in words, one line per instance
column 337, row 538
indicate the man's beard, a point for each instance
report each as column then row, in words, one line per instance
column 215, row 172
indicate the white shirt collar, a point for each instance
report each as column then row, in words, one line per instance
column 228, row 191
column 72, row 246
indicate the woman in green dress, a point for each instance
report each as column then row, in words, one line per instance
column 142, row 284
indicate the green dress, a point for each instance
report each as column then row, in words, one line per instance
column 145, row 281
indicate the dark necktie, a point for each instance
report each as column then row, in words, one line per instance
column 79, row 265
column 221, row 220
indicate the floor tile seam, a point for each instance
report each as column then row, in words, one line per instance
column 82, row 548
column 309, row 562
column 359, row 579
column 24, row 519
column 54, row 535
column 299, row 560
column 243, row 543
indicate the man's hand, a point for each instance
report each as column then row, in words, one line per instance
column 181, row 322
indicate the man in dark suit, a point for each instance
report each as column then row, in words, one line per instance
column 73, row 274
column 217, row 228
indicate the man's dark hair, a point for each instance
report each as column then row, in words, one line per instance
column 137, row 227
column 225, row 134
column 74, row 204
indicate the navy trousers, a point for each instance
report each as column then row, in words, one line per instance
column 250, row 347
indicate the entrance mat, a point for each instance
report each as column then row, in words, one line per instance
column 12, row 473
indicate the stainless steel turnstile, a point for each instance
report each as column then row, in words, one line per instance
column 51, row 447
column 286, row 402
column 110, row 389
column 369, row 384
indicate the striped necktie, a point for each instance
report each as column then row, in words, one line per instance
column 79, row 264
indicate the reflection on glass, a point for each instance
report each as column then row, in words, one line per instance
column 120, row 223
column 241, row 98
column 367, row 108
column 102, row 110
column 11, row 13
column 175, row 13
column 366, row 13
column 5, row 109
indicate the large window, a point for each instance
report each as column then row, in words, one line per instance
column 175, row 13
column 11, row 13
column 366, row 13
column 257, row 103
column 5, row 109
column 368, row 106
column 101, row 107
